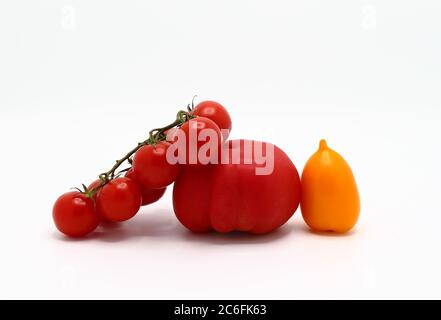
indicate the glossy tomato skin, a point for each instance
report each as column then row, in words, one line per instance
column 330, row 198
column 231, row 197
column 96, row 184
column 119, row 200
column 191, row 197
column 195, row 127
column 151, row 168
column 74, row 214
column 216, row 112
column 149, row 196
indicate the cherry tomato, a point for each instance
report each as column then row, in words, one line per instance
column 171, row 134
column 148, row 195
column 194, row 128
column 151, row 168
column 119, row 200
column 97, row 183
column 94, row 185
column 216, row 112
column 74, row 214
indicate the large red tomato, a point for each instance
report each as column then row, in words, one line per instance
column 229, row 197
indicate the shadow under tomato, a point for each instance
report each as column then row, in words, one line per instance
column 234, row 238
column 160, row 223
column 61, row 237
column 331, row 233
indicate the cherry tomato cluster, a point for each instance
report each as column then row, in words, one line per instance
column 117, row 197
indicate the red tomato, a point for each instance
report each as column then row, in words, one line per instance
column 119, row 200
column 229, row 197
column 151, row 167
column 194, row 142
column 216, row 112
column 171, row 134
column 74, row 214
column 148, row 195
column 94, row 185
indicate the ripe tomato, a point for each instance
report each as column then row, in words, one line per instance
column 216, row 112
column 231, row 197
column 194, row 142
column 148, row 195
column 74, row 214
column 171, row 134
column 94, row 185
column 151, row 168
column 119, row 200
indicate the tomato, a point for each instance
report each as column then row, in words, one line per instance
column 151, row 168
column 119, row 200
column 96, row 184
column 216, row 112
column 74, row 214
column 232, row 197
column 148, row 195
column 197, row 145
column 171, row 134
column 330, row 198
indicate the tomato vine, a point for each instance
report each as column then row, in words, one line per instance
column 155, row 135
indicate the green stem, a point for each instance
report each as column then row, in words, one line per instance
column 155, row 136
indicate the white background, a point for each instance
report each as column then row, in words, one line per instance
column 82, row 81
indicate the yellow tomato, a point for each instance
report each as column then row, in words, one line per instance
column 330, row 199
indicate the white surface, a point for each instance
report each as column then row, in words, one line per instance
column 83, row 81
